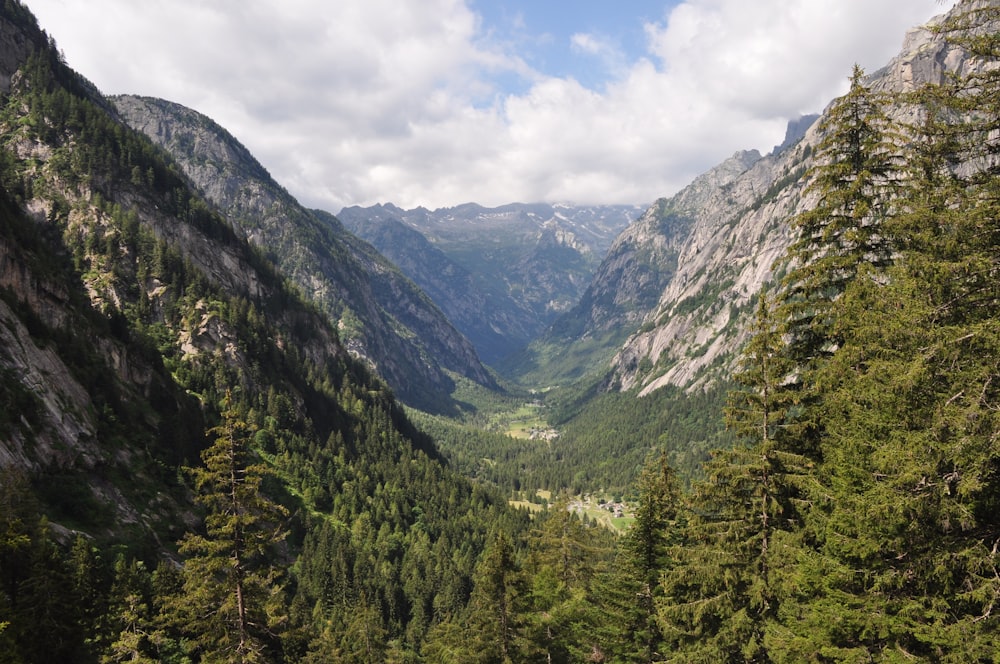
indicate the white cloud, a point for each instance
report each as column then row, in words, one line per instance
column 363, row 101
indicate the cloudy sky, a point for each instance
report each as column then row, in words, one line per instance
column 442, row 102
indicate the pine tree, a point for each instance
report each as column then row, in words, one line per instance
column 128, row 621
column 232, row 599
column 721, row 597
column 361, row 639
column 563, row 557
column 18, row 517
column 855, row 181
column 498, row 589
column 906, row 556
column 758, row 408
column 646, row 556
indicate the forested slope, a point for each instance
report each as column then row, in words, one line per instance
column 381, row 316
column 857, row 520
column 856, row 517
column 193, row 467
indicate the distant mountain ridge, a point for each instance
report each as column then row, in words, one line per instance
column 383, row 317
column 641, row 263
column 502, row 274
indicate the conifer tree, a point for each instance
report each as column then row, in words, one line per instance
column 498, row 590
column 758, row 407
column 563, row 557
column 718, row 596
column 232, row 598
column 18, row 537
column 646, row 556
column 721, row 597
column 906, row 564
column 855, row 181
column 129, row 620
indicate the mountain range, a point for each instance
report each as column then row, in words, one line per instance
column 672, row 302
column 545, row 294
column 380, row 315
column 140, row 326
column 502, row 275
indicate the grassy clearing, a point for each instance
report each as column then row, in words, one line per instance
column 623, row 523
column 534, row 506
column 527, row 418
column 606, row 519
column 526, row 504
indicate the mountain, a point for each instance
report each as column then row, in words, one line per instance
column 382, row 316
column 502, row 275
column 641, row 262
column 672, row 302
column 738, row 228
column 193, row 468
column 138, row 324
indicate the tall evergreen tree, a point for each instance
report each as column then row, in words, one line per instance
column 498, row 590
column 721, row 597
column 232, row 598
column 646, row 555
column 129, row 623
column 564, row 555
column 855, row 181
column 907, row 540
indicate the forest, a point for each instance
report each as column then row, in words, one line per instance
column 850, row 511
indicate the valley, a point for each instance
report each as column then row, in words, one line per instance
column 752, row 421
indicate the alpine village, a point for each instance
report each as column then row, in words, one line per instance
column 756, row 421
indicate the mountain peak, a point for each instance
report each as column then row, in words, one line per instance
column 796, row 131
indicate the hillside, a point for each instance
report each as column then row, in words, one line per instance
column 382, row 317
column 193, row 467
column 673, row 302
column 144, row 342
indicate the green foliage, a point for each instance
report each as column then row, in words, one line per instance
column 608, row 442
column 630, row 629
column 232, row 603
column 603, row 441
column 341, row 451
column 858, row 522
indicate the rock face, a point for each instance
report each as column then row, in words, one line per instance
column 737, row 229
column 646, row 257
column 502, row 275
column 382, row 316
column 684, row 278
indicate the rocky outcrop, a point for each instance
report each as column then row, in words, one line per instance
column 738, row 228
column 642, row 263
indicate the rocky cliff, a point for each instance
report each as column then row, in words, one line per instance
column 382, row 316
column 713, row 246
column 131, row 310
column 740, row 228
